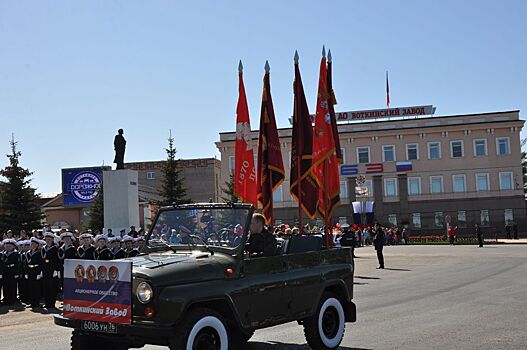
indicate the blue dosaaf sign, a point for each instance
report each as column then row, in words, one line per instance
column 81, row 186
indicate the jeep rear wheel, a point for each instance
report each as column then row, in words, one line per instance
column 202, row 329
column 325, row 329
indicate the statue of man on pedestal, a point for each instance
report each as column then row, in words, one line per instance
column 119, row 144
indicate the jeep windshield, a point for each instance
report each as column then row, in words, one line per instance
column 188, row 227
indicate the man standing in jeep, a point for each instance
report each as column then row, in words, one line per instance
column 261, row 241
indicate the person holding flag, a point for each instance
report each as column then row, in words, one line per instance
column 325, row 164
column 303, row 185
column 270, row 164
column 244, row 171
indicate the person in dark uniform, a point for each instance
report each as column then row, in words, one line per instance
column 86, row 249
column 102, row 252
column 117, row 251
column 261, row 241
column 133, row 232
column 23, row 291
column 515, row 230
column 2, row 269
column 50, row 270
column 11, row 259
column 129, row 248
column 378, row 242
column 508, row 230
column 66, row 251
column 34, row 272
column 479, row 234
column 348, row 238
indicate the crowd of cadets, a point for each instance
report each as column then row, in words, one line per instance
column 31, row 270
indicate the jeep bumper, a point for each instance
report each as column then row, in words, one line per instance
column 135, row 333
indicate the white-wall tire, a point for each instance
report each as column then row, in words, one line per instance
column 201, row 328
column 324, row 330
column 335, row 340
column 209, row 322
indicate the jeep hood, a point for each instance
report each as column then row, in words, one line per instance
column 176, row 268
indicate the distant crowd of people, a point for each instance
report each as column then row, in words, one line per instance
column 32, row 265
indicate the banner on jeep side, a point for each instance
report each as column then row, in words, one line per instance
column 98, row 290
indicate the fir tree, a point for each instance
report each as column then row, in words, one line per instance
column 172, row 189
column 19, row 208
column 228, row 191
column 96, row 214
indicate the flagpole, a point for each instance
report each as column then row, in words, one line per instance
column 298, row 158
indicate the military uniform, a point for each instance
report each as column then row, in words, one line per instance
column 117, row 251
column 85, row 252
column 102, row 254
column 50, row 272
column 23, row 291
column 11, row 273
column 34, row 275
column 378, row 242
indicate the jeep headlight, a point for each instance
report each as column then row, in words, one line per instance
column 144, row 292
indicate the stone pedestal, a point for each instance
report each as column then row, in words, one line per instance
column 121, row 200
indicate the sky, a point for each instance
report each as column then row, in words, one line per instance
column 73, row 72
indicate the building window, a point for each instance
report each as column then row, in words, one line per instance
column 416, row 220
column 412, row 151
column 456, row 149
column 392, row 219
column 434, row 150
column 363, row 154
column 480, row 147
column 458, row 183
column 484, row 216
column 231, row 164
column 506, row 181
column 436, row 184
column 388, row 153
column 390, row 187
column 344, row 189
column 414, row 185
column 150, row 175
column 482, row 182
column 369, row 185
column 503, row 146
column 278, row 195
column 508, row 216
column 343, row 150
column 462, row 218
column 438, row 219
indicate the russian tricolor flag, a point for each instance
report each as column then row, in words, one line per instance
column 403, row 166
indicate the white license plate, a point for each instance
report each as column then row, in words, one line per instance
column 94, row 326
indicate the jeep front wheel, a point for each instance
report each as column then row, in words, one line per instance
column 325, row 329
column 202, row 329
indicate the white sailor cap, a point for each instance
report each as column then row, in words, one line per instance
column 99, row 237
column 24, row 243
column 86, row 235
column 140, row 239
column 115, row 239
column 128, row 238
column 67, row 234
column 35, row 240
column 50, row 235
column 9, row 241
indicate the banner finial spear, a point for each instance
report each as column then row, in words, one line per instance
column 323, row 51
column 296, row 57
column 329, row 55
column 240, row 67
column 267, row 67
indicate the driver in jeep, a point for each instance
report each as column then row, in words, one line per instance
column 261, row 241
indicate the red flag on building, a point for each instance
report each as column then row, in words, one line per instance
column 302, row 176
column 270, row 164
column 331, row 103
column 244, row 171
column 325, row 164
column 387, row 91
